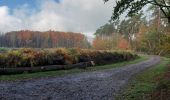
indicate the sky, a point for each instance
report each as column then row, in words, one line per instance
column 83, row 16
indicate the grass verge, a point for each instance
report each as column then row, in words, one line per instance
column 64, row 72
column 144, row 84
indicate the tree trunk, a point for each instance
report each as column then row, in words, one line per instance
column 169, row 20
column 168, row 25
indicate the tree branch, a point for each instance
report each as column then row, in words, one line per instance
column 158, row 4
column 168, row 8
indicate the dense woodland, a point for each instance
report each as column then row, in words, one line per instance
column 49, row 39
column 136, row 33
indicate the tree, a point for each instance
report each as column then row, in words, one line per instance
column 155, row 43
column 48, row 39
column 105, row 30
column 130, row 27
column 123, row 44
column 152, row 37
column 134, row 6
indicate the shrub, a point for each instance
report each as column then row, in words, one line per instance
column 13, row 58
column 2, row 60
column 27, row 57
column 75, row 54
column 63, row 56
column 83, row 56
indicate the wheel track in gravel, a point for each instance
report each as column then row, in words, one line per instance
column 97, row 85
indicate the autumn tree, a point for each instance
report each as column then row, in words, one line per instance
column 152, row 37
column 48, row 39
column 115, row 41
column 130, row 27
column 123, row 44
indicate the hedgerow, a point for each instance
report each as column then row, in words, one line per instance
column 27, row 57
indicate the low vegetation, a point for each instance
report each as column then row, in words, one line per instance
column 27, row 57
column 2, row 49
column 65, row 72
column 149, row 84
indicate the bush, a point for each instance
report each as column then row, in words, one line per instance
column 27, row 57
column 2, row 60
column 13, row 58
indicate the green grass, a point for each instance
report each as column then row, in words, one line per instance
column 3, row 49
column 144, row 83
column 64, row 72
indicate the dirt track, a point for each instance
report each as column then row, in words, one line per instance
column 97, row 85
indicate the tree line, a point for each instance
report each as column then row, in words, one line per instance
column 136, row 33
column 48, row 39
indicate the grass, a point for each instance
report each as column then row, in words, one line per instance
column 144, row 83
column 3, row 49
column 64, row 72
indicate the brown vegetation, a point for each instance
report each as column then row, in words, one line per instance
column 48, row 39
column 27, row 57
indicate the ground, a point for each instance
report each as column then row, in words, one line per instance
column 97, row 85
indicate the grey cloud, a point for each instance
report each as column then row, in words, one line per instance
column 69, row 15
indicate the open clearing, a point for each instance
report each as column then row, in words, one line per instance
column 97, row 85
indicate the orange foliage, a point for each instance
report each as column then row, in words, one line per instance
column 123, row 44
column 46, row 39
column 101, row 44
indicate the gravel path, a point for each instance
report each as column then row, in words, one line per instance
column 97, row 85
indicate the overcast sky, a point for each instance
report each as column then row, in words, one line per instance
column 83, row 16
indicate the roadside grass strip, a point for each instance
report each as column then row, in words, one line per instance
column 144, row 83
